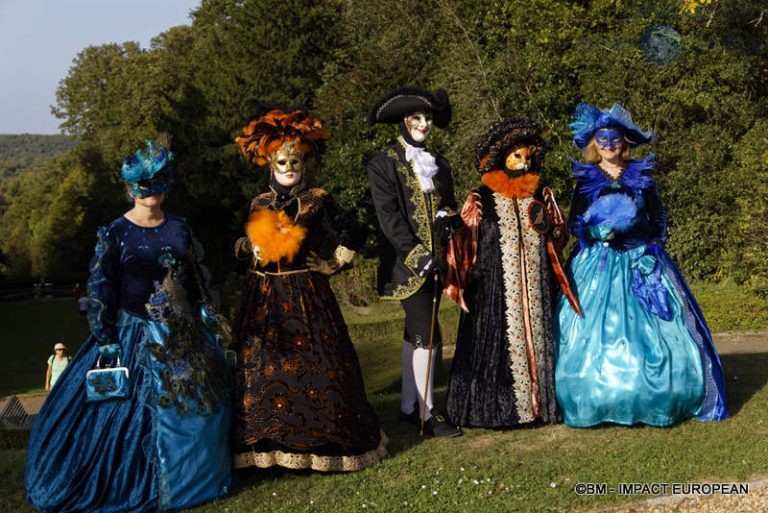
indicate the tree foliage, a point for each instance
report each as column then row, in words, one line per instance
column 536, row 59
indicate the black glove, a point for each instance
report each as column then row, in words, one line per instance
column 444, row 226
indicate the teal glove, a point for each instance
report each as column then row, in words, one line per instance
column 110, row 352
column 645, row 264
column 601, row 231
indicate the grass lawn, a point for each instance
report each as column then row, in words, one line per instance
column 29, row 331
column 531, row 469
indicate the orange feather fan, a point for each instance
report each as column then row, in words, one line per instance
column 274, row 234
column 521, row 187
column 264, row 135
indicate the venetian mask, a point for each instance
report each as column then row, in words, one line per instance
column 519, row 158
column 159, row 184
column 419, row 124
column 287, row 164
column 609, row 138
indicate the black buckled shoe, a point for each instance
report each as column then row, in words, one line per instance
column 439, row 427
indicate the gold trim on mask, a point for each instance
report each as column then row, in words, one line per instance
column 288, row 150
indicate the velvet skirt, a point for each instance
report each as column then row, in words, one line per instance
column 142, row 453
column 627, row 361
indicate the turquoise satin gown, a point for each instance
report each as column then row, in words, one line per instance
column 642, row 352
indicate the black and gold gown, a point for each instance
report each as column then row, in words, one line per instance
column 300, row 399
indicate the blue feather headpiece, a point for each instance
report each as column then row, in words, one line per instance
column 588, row 119
column 144, row 166
column 148, row 172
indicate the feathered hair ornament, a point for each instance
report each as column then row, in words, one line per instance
column 588, row 119
column 264, row 135
column 144, row 166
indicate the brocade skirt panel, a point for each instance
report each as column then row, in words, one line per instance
column 299, row 395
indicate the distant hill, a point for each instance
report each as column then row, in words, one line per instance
column 22, row 151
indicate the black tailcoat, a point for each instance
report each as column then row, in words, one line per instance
column 406, row 216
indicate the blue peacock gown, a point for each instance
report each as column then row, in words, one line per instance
column 166, row 445
column 642, row 352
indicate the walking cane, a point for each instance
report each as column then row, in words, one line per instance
column 435, row 296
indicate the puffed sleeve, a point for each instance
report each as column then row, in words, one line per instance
column 392, row 220
column 104, row 287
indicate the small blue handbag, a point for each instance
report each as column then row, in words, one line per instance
column 106, row 384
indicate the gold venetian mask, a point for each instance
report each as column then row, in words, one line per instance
column 287, row 164
column 519, row 157
column 288, row 159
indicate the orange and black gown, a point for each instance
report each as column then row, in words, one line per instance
column 300, row 400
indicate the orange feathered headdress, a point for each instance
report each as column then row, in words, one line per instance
column 265, row 134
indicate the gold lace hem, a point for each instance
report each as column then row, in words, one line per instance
column 312, row 461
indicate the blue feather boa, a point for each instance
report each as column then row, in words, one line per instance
column 591, row 181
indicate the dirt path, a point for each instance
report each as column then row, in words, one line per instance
column 739, row 342
column 756, row 501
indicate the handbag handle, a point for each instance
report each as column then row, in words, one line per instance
column 98, row 362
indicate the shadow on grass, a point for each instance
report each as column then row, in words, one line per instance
column 745, row 375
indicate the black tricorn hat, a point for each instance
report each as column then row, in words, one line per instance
column 492, row 149
column 400, row 102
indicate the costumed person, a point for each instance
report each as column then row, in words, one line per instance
column 642, row 352
column 164, row 444
column 503, row 267
column 299, row 394
column 412, row 191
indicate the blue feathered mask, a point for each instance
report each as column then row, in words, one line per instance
column 588, row 119
column 148, row 173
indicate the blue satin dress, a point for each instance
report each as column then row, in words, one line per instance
column 165, row 447
column 642, row 352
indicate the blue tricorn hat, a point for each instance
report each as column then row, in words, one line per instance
column 588, row 119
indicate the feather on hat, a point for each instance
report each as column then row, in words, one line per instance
column 263, row 135
column 588, row 119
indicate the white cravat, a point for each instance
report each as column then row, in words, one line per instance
column 424, row 165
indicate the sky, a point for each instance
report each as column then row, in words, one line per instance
column 40, row 38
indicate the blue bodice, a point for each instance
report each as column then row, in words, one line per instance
column 129, row 262
column 635, row 181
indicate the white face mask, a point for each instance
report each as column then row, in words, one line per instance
column 288, row 165
column 418, row 124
